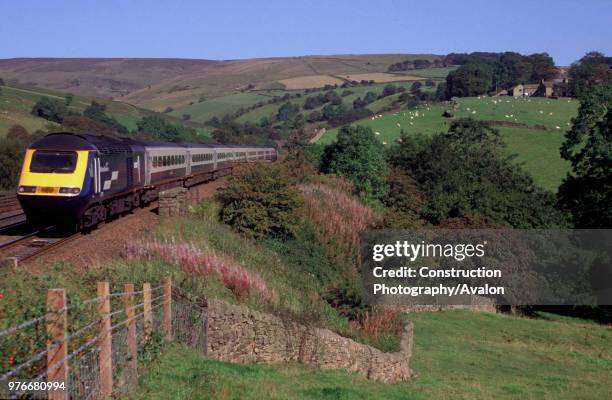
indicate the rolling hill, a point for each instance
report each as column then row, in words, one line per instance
column 16, row 103
column 160, row 83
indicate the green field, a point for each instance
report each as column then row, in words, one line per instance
column 16, row 103
column 203, row 111
column 430, row 72
column 536, row 149
column 457, row 355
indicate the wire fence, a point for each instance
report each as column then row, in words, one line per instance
column 111, row 335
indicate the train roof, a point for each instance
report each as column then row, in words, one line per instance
column 87, row 141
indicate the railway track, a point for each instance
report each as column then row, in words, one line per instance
column 34, row 244
column 11, row 214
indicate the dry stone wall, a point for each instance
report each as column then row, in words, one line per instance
column 239, row 334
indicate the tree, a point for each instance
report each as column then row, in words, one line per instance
column 80, row 124
column 12, row 150
column 587, row 191
column 468, row 80
column 516, row 67
column 430, row 83
column 465, row 173
column 389, row 90
column 68, row 99
column 186, row 117
column 591, row 70
column 415, row 86
column 259, row 201
column 542, row 67
column 160, row 128
column 370, row 97
column 287, row 111
column 50, row 109
column 359, row 156
column 97, row 112
column 440, row 92
column 314, row 116
column 404, row 202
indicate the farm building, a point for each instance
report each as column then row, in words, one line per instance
column 542, row 89
column 521, row 90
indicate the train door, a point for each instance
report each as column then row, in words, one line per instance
column 94, row 168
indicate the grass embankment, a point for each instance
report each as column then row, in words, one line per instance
column 536, row 149
column 457, row 355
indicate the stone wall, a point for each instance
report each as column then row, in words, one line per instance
column 173, row 202
column 238, row 334
column 472, row 303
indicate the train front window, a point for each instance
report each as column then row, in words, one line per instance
column 53, row 161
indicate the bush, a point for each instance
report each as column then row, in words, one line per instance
column 50, row 109
column 260, row 202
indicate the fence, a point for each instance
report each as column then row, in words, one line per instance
column 100, row 357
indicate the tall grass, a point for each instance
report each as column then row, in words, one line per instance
column 337, row 216
column 191, row 259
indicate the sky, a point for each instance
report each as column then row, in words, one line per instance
column 226, row 29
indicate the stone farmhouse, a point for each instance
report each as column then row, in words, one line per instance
column 542, row 89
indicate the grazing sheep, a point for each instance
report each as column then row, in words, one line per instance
column 377, row 133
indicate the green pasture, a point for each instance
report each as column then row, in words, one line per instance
column 357, row 91
column 457, row 355
column 536, row 149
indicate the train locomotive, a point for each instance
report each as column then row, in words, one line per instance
column 83, row 179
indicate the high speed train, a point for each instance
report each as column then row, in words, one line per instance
column 83, row 179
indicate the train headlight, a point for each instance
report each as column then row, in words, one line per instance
column 26, row 189
column 67, row 190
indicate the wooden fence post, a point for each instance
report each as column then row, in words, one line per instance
column 128, row 302
column 105, row 358
column 57, row 348
column 148, row 318
column 168, row 308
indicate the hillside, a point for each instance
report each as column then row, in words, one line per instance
column 16, row 103
column 160, row 83
column 458, row 354
column 533, row 128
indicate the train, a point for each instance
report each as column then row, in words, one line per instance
column 81, row 180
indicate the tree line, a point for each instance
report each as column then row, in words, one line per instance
column 482, row 73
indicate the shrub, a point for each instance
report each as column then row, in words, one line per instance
column 259, row 201
column 380, row 321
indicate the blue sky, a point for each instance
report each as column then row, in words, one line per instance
column 246, row 29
